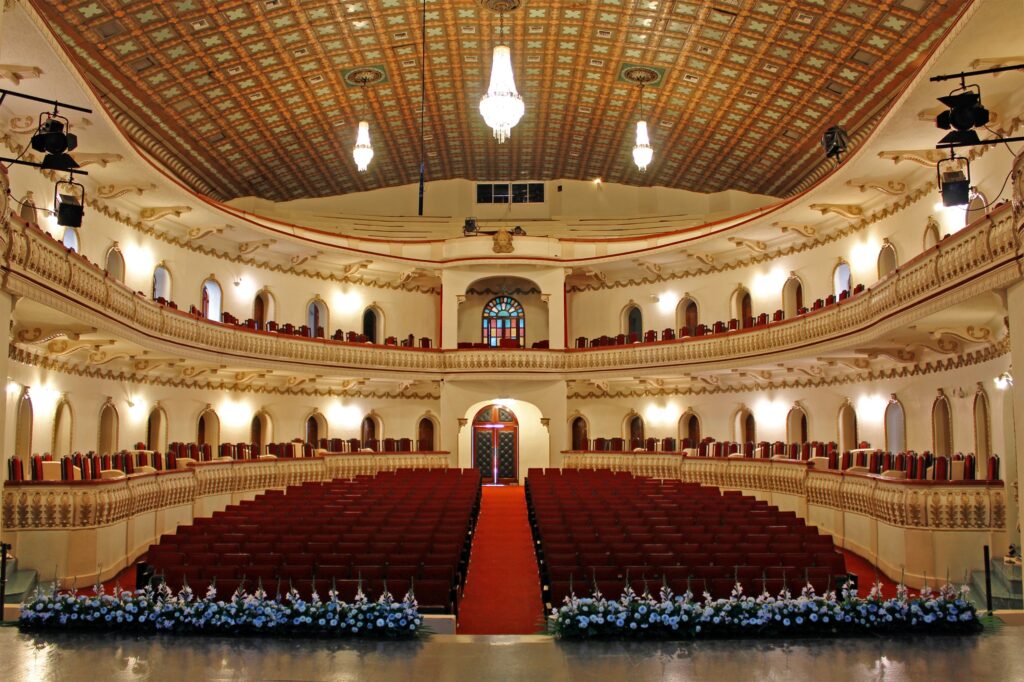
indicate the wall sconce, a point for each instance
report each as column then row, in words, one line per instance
column 1003, row 381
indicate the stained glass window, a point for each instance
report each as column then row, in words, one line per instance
column 503, row 318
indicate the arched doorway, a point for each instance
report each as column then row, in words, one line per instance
column 370, row 432
column 161, row 283
column 634, row 431
column 689, row 429
column 156, row 430
column 260, row 432
column 208, row 429
column 982, row 434
column 743, row 308
column 23, row 427
column 108, row 430
column 942, row 427
column 634, row 322
column 895, row 427
column 316, row 318
column 746, row 427
column 211, row 300
column 425, row 435
column 115, row 264
column 316, row 428
column 496, row 444
column 847, row 428
column 886, row 259
column 792, row 297
column 62, row 425
column 796, row 426
column 687, row 315
column 263, row 309
column 578, row 433
column 841, row 278
column 372, row 325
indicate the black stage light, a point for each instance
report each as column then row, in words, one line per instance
column 69, row 203
column 954, row 181
column 964, row 113
column 51, row 137
column 59, row 162
column 469, row 227
column 836, row 142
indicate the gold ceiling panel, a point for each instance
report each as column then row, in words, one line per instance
column 252, row 95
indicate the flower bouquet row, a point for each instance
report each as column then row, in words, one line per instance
column 159, row 609
column 668, row 616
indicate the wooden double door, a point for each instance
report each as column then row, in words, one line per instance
column 496, row 444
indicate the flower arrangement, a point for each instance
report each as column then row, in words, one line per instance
column 159, row 609
column 669, row 616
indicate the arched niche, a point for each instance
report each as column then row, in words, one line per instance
column 846, row 424
column 689, row 428
column 633, row 321
column 942, row 426
column 895, row 426
column 108, row 432
column 688, row 314
column 261, row 432
column 744, row 426
column 264, row 308
column 796, row 425
column 842, row 278
column 931, row 235
column 742, row 307
column 579, row 432
column 114, row 263
column 208, row 429
column 887, row 261
column 318, row 317
column 371, row 431
column 373, row 324
column 24, row 423
column 156, row 430
column 792, row 296
column 162, row 282
column 212, row 299
column 427, row 429
column 526, row 293
column 315, row 427
column 633, row 430
column 63, row 428
column 982, row 425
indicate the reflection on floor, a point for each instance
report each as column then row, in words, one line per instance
column 995, row 655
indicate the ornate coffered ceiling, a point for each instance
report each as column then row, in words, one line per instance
column 262, row 97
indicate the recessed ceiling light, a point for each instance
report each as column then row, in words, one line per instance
column 468, row 30
column 235, row 70
column 201, row 24
column 318, row 78
column 300, row 52
column 691, row 78
column 604, row 33
column 273, row 4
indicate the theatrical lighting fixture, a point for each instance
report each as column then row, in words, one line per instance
column 54, row 141
column 502, row 107
column 69, row 202
column 964, row 113
column 469, row 227
column 1003, row 381
column 363, row 152
column 642, row 151
column 954, row 175
column 836, row 142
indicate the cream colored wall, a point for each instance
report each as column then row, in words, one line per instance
column 530, row 401
column 183, row 407
column 456, row 199
column 404, row 312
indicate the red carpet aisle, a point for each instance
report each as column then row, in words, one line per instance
column 502, row 595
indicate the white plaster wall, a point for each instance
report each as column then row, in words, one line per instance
column 183, row 406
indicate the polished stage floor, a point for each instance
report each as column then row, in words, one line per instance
column 996, row 655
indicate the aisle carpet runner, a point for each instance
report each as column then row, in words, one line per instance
column 502, row 595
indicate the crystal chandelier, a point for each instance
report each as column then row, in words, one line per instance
column 642, row 151
column 502, row 107
column 363, row 152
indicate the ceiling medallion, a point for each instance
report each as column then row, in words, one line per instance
column 641, row 75
column 365, row 75
column 500, row 5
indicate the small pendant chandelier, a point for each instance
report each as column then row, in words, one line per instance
column 363, row 152
column 502, row 107
column 642, row 151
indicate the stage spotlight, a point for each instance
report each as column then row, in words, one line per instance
column 964, row 113
column 69, row 203
column 836, row 142
column 954, row 181
column 53, row 140
column 469, row 227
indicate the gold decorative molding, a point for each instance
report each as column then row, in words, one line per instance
column 19, row 72
column 155, row 213
column 891, row 187
column 848, row 211
column 118, row 191
column 101, row 159
column 805, row 230
column 922, row 157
